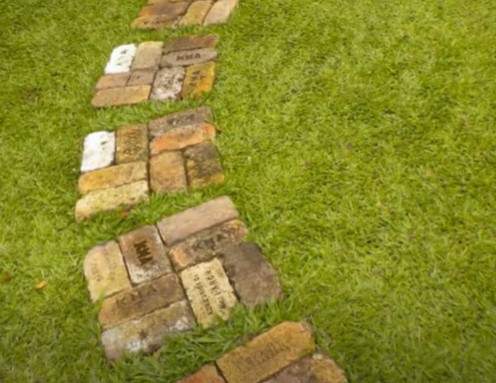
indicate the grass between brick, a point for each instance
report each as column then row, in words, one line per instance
column 359, row 145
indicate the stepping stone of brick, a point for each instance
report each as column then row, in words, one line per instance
column 207, row 374
column 112, row 177
column 196, row 13
column 132, row 144
column 98, row 151
column 148, row 55
column 181, row 138
column 199, row 79
column 113, row 81
column 191, row 117
column 185, row 58
column 167, row 173
column 182, row 225
column 203, row 165
column 144, row 254
column 140, row 300
column 121, row 59
column 209, row 292
column 124, row 196
column 253, row 277
column 128, row 95
column 146, row 334
column 142, row 77
column 168, row 84
column 210, row 243
column 169, row 11
column 192, row 42
column 267, row 354
column 105, row 271
column 220, row 12
column 152, row 22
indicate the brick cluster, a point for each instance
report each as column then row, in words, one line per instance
column 168, row 155
column 159, row 14
column 190, row 268
column 152, row 70
column 284, row 354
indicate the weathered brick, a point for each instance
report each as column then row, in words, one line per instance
column 148, row 55
column 193, row 42
column 105, row 271
column 132, row 144
column 121, row 96
column 111, row 199
column 179, row 138
column 140, row 300
column 180, row 226
column 199, row 79
column 210, row 243
column 167, row 172
column 253, row 277
column 185, row 58
column 317, row 368
column 203, row 165
column 147, row 333
column 220, row 12
column 209, row 292
column 190, row 117
column 152, row 22
column 267, row 354
column 196, row 13
column 98, row 151
column 121, row 59
column 168, row 84
column 112, row 81
column 170, row 10
column 207, row 374
column 112, row 177
column 142, row 77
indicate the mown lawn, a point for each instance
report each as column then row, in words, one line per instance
column 359, row 143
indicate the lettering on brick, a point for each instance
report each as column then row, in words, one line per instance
column 144, row 253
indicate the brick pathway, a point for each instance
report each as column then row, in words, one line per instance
column 173, row 13
column 189, row 268
column 167, row 155
column 152, row 70
column 284, row 354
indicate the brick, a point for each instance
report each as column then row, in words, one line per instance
column 190, row 117
column 317, row 368
column 124, row 196
column 112, row 177
column 121, row 59
column 112, row 81
column 98, row 151
column 253, row 277
column 148, row 55
column 220, row 12
column 203, row 165
column 142, row 77
column 207, row 374
column 210, row 243
column 199, row 79
column 145, row 254
column 182, row 225
column 132, row 144
column 152, row 22
column 267, row 354
column 146, row 334
column 140, row 300
column 121, row 96
column 170, row 10
column 185, row 58
column 196, row 13
column 209, row 292
column 168, row 84
column 179, row 138
column 167, row 173
column 193, row 42
column 105, row 271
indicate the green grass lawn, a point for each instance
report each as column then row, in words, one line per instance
column 358, row 140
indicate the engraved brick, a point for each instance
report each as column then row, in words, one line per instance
column 144, row 254
column 203, row 165
column 168, row 84
column 179, row 138
column 112, row 176
column 167, row 172
column 147, row 334
column 209, row 292
column 142, row 77
column 220, row 12
column 105, row 271
column 121, row 59
column 112, row 81
column 132, row 144
column 180, row 226
column 140, row 300
column 207, row 374
column 121, row 96
column 111, row 199
column 170, row 10
column 98, row 151
column 253, row 277
column 267, row 354
column 193, row 42
column 148, row 55
column 196, row 13
column 152, row 22
column 210, row 243
column 185, row 58
column 199, row 79
column 190, row 117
